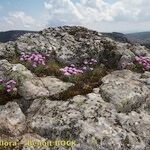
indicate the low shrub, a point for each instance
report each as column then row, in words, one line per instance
column 86, row 74
column 142, row 63
column 86, row 65
column 34, row 58
column 84, row 83
column 8, row 90
column 7, row 85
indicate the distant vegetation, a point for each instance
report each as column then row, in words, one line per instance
column 142, row 38
column 120, row 37
column 12, row 35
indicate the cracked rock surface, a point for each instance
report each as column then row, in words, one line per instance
column 73, row 44
column 115, row 116
column 12, row 120
column 125, row 90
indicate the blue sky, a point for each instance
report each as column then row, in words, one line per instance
column 102, row 15
column 29, row 6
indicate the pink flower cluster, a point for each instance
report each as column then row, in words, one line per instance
column 144, row 61
column 88, row 64
column 9, row 85
column 34, row 58
column 71, row 70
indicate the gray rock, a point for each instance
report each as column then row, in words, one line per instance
column 145, row 78
column 12, row 120
column 31, row 87
column 55, row 86
column 123, row 89
column 74, row 44
column 31, row 141
column 138, row 124
column 89, row 120
column 94, row 120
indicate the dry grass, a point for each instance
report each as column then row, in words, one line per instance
column 109, row 45
column 84, row 83
column 6, row 97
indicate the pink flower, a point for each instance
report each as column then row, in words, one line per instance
column 29, row 59
column 34, row 65
column 67, row 74
column 70, row 68
column 8, row 90
column 143, row 61
column 74, row 69
column 66, row 68
column 21, row 59
column 75, row 72
column 70, row 71
column 12, row 81
column 8, row 86
column 39, row 55
column 34, row 58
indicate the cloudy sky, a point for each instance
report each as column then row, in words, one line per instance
column 102, row 15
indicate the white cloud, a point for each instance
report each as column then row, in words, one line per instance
column 99, row 14
column 119, row 15
column 47, row 5
column 20, row 21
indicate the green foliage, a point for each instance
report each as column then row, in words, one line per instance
column 2, row 88
column 109, row 45
column 5, row 96
column 84, row 83
column 137, row 68
column 74, row 31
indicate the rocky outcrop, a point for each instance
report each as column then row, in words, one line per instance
column 115, row 116
column 12, row 120
column 124, row 90
column 30, row 86
column 73, row 44
column 92, row 122
column 85, row 119
column 55, row 86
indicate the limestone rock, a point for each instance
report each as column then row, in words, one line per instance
column 74, row 44
column 55, row 86
column 31, row 87
column 123, row 89
column 32, row 141
column 138, row 124
column 89, row 120
column 115, row 116
column 12, row 120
